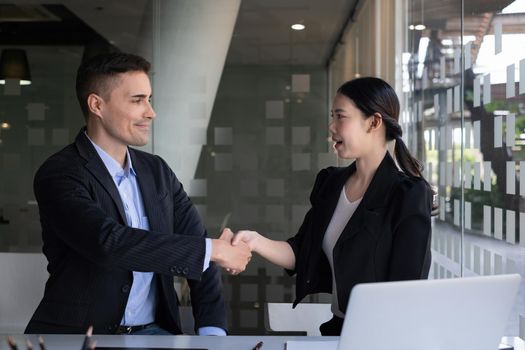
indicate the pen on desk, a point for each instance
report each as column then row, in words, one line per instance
column 12, row 343
column 86, row 344
column 41, row 343
column 258, row 346
column 29, row 344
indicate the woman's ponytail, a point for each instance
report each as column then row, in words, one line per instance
column 410, row 165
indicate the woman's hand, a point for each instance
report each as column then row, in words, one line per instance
column 277, row 252
column 249, row 237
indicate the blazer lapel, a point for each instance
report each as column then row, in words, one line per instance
column 327, row 201
column 96, row 167
column 372, row 205
column 150, row 197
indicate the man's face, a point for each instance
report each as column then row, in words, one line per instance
column 126, row 113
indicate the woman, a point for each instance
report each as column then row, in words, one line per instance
column 370, row 221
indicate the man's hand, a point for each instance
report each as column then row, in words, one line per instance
column 227, row 235
column 232, row 258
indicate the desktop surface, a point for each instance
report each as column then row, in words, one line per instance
column 74, row 342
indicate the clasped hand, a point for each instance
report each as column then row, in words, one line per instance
column 232, row 251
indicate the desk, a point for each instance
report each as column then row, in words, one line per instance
column 73, row 342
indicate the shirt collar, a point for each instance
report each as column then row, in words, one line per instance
column 114, row 168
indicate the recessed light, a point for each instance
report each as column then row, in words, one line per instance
column 5, row 126
column 298, row 26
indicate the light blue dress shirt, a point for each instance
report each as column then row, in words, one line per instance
column 140, row 308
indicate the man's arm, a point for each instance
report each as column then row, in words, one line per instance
column 69, row 212
column 206, row 294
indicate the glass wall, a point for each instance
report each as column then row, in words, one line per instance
column 459, row 70
column 463, row 85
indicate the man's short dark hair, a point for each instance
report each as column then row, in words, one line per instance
column 97, row 74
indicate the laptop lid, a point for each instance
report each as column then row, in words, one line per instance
column 444, row 314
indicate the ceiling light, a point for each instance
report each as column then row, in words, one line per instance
column 14, row 65
column 420, row 27
column 411, row 27
column 5, row 126
column 298, row 26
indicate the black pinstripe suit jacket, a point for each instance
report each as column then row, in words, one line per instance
column 92, row 252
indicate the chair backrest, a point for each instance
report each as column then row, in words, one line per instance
column 305, row 317
column 22, row 280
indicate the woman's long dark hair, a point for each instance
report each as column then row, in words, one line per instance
column 374, row 95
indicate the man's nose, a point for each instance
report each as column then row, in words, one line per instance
column 150, row 113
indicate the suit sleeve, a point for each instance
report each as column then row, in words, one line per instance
column 296, row 241
column 206, row 292
column 410, row 256
column 68, row 211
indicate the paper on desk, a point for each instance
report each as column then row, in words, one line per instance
column 311, row 345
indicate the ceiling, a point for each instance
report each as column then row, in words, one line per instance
column 262, row 33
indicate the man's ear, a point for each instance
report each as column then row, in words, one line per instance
column 376, row 120
column 95, row 104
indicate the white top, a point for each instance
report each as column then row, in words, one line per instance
column 342, row 214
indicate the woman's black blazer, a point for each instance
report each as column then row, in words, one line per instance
column 386, row 239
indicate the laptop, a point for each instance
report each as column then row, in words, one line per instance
column 445, row 314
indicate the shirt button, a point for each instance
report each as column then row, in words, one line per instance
column 125, row 288
column 307, row 281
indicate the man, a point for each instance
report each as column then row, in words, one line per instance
column 117, row 224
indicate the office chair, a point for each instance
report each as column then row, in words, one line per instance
column 306, row 317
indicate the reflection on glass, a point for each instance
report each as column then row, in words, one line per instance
column 466, row 73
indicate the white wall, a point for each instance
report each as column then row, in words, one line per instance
column 22, row 280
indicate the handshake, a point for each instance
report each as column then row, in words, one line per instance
column 232, row 251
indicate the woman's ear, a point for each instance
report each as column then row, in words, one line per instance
column 95, row 104
column 376, row 120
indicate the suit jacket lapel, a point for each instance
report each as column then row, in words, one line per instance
column 150, row 197
column 369, row 210
column 327, row 201
column 96, row 167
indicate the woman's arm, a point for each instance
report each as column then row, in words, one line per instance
column 277, row 252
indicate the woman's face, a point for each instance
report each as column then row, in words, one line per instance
column 349, row 128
